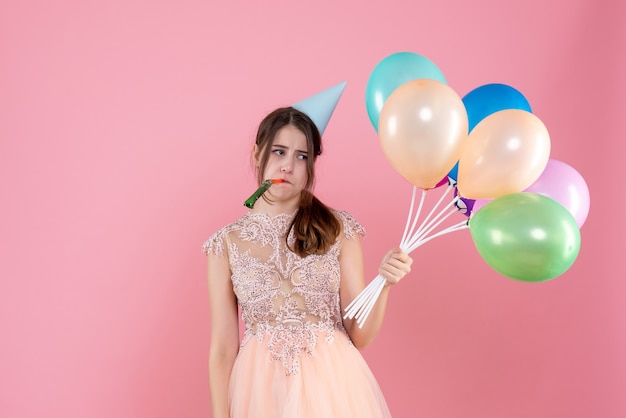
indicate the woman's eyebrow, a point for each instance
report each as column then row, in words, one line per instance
column 286, row 147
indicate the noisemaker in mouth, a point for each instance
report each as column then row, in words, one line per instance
column 249, row 203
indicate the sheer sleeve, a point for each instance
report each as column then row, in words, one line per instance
column 350, row 225
column 216, row 243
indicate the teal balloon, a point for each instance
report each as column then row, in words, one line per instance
column 526, row 236
column 390, row 73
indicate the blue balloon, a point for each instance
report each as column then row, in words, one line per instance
column 454, row 173
column 486, row 100
column 390, row 73
column 491, row 98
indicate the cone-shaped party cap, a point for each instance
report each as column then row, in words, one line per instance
column 320, row 106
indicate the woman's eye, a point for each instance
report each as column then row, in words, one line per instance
column 278, row 152
column 302, row 157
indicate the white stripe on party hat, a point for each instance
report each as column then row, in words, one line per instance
column 321, row 106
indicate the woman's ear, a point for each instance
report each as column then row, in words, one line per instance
column 256, row 153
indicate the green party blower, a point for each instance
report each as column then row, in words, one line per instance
column 249, row 203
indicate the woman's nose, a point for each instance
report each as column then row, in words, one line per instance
column 286, row 167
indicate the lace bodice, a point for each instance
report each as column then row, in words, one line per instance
column 288, row 299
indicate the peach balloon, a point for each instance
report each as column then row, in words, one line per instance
column 421, row 127
column 505, row 153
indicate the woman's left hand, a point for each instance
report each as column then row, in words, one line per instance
column 395, row 265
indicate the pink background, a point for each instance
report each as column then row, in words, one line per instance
column 125, row 131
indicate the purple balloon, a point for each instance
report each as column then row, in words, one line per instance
column 465, row 206
column 468, row 207
column 564, row 184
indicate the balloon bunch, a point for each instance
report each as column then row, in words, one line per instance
column 525, row 209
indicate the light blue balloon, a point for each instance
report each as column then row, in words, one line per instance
column 390, row 73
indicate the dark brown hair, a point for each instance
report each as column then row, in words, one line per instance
column 314, row 225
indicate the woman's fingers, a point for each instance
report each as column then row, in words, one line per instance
column 395, row 266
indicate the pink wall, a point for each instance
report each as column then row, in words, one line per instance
column 125, row 130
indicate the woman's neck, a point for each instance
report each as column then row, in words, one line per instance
column 275, row 208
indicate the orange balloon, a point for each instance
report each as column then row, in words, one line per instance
column 421, row 127
column 505, row 153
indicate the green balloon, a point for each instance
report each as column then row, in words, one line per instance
column 526, row 236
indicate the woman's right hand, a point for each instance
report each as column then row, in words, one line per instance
column 395, row 265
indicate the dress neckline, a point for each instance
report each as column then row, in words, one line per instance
column 280, row 215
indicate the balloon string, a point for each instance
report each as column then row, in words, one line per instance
column 354, row 306
column 361, row 299
column 458, row 227
column 403, row 242
column 361, row 307
column 371, row 295
column 434, row 223
column 427, row 227
column 433, row 209
column 408, row 220
column 368, row 308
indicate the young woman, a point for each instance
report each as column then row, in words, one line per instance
column 292, row 264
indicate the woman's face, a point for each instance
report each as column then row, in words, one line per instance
column 287, row 161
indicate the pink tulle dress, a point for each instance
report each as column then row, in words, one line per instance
column 296, row 359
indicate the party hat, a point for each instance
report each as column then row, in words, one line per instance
column 320, row 106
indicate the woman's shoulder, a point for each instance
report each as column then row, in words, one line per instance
column 216, row 242
column 350, row 225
